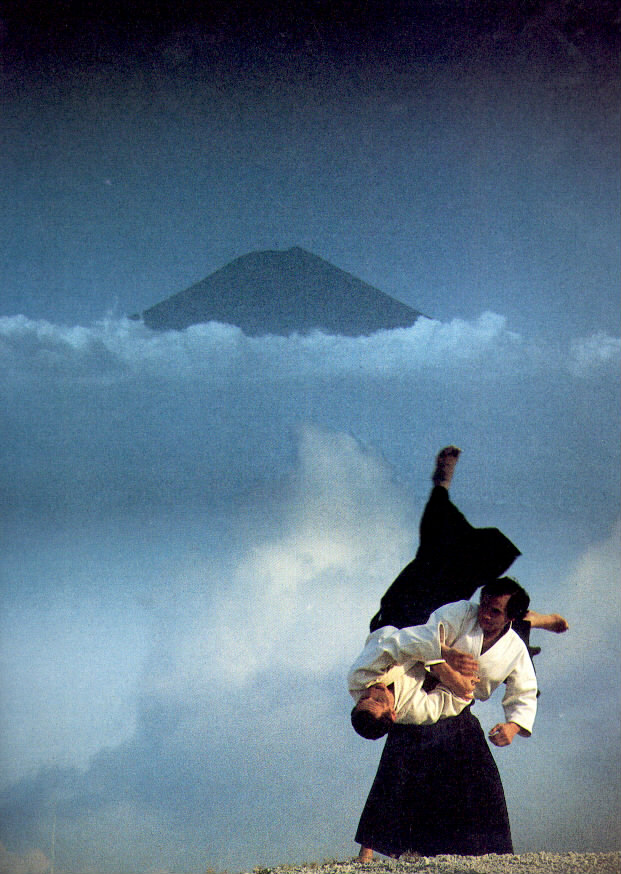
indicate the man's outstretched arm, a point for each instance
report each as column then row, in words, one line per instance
column 547, row 621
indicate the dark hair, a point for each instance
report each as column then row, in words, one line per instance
column 368, row 726
column 518, row 603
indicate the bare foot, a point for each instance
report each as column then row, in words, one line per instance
column 445, row 466
column 365, row 854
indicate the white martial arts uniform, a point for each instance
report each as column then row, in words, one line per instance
column 398, row 657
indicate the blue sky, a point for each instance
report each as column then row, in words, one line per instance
column 198, row 525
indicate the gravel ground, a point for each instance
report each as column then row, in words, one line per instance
column 527, row 863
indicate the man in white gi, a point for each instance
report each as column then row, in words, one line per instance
column 399, row 819
column 472, row 650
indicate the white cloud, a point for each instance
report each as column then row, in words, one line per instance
column 592, row 353
column 591, row 601
column 118, row 348
column 300, row 599
column 30, row 862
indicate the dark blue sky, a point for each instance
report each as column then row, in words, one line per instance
column 198, row 525
column 457, row 161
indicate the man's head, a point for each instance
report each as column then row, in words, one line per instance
column 374, row 713
column 501, row 601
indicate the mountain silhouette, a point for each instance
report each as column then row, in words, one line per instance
column 282, row 292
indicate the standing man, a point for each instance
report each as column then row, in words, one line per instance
column 437, row 788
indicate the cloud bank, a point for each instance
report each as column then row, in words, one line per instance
column 119, row 347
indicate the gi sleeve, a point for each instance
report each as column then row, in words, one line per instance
column 422, row 642
column 389, row 646
column 520, row 699
column 374, row 662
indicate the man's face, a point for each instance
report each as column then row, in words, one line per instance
column 492, row 614
column 378, row 701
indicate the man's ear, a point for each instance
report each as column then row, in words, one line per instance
column 392, row 715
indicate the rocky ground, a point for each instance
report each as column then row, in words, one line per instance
column 527, row 863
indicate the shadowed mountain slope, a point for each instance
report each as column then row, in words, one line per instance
column 282, row 293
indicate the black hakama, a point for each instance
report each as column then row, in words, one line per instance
column 437, row 791
column 452, row 561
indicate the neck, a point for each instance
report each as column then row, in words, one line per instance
column 491, row 636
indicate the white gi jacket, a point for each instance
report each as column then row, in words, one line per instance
column 408, row 650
